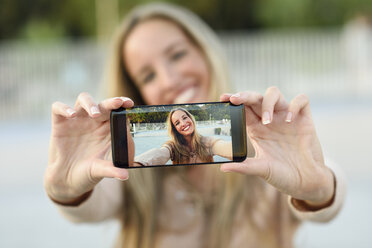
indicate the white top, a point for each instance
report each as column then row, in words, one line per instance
column 182, row 223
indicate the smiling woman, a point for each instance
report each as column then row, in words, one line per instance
column 163, row 54
column 186, row 146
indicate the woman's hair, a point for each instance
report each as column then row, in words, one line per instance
column 180, row 154
column 143, row 192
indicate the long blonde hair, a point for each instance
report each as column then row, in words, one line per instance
column 178, row 142
column 143, row 191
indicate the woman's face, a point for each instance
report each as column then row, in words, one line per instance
column 183, row 123
column 165, row 65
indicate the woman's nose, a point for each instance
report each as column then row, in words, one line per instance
column 168, row 77
column 183, row 124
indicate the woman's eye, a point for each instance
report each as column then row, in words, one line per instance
column 177, row 55
column 148, row 78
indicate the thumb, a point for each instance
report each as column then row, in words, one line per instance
column 250, row 166
column 104, row 168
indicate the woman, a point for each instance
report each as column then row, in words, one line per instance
column 186, row 146
column 163, row 54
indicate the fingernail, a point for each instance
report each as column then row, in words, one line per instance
column 125, row 98
column 118, row 98
column 70, row 112
column 266, row 118
column 289, row 117
column 121, row 179
column 236, row 95
column 94, row 110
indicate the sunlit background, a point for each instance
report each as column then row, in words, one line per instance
column 53, row 50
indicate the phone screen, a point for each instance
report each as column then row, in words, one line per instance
column 179, row 134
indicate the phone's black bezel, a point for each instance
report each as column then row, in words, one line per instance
column 118, row 125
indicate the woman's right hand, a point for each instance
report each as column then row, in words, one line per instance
column 80, row 146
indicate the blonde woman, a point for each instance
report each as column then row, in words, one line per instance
column 186, row 146
column 164, row 54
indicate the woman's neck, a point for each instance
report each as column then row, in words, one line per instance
column 189, row 141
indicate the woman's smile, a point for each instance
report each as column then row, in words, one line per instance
column 186, row 128
column 186, row 95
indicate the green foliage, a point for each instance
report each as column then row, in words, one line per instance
column 300, row 13
column 217, row 131
column 160, row 114
column 45, row 19
column 36, row 30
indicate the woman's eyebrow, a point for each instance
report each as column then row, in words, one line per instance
column 178, row 120
column 176, row 43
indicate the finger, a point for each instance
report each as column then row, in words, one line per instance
column 62, row 110
column 273, row 100
column 104, row 168
column 110, row 104
column 248, row 98
column 298, row 104
column 251, row 166
column 85, row 103
column 251, row 116
column 225, row 97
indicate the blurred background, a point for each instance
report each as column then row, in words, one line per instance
column 53, row 50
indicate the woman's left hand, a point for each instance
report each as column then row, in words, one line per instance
column 288, row 152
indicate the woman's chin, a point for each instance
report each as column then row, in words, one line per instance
column 188, row 133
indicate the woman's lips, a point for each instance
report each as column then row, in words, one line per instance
column 186, row 96
column 186, row 128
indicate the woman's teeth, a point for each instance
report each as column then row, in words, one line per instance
column 186, row 96
column 186, row 128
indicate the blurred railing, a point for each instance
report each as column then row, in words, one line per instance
column 138, row 127
column 314, row 62
column 32, row 77
column 311, row 62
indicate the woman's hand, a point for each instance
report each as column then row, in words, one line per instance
column 80, row 146
column 288, row 153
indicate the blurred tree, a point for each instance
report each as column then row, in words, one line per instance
column 223, row 14
column 45, row 19
column 300, row 13
column 107, row 17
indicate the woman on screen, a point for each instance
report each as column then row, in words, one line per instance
column 186, row 146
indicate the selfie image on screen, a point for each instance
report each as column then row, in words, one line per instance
column 183, row 134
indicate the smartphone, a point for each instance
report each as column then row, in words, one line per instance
column 178, row 134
